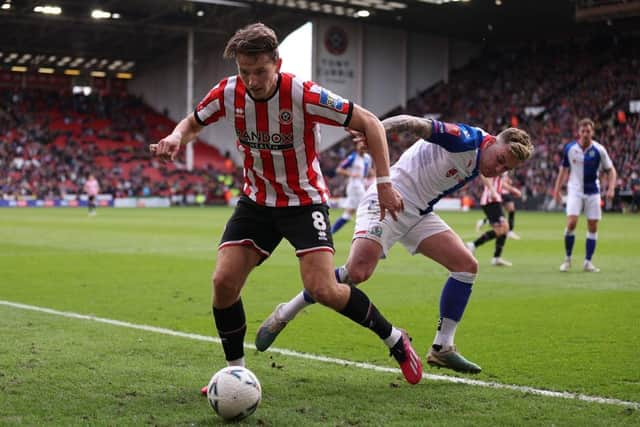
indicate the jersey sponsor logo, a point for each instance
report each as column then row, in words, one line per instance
column 285, row 116
column 265, row 140
column 452, row 129
column 331, row 100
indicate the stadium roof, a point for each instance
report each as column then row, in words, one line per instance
column 121, row 33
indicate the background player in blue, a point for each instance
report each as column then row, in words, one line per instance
column 356, row 167
column 583, row 161
column 443, row 159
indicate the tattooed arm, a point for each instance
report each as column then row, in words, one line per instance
column 416, row 127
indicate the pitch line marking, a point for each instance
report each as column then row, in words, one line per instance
column 325, row 359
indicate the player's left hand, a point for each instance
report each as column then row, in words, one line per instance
column 390, row 200
column 611, row 192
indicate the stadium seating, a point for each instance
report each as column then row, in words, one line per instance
column 52, row 140
column 570, row 80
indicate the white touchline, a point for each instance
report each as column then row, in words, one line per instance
column 285, row 352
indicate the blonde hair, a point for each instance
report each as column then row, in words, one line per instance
column 519, row 143
column 253, row 39
column 586, row 121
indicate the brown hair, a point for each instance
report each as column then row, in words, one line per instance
column 519, row 143
column 586, row 121
column 253, row 39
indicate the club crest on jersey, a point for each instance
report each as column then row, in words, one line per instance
column 452, row 129
column 451, row 172
column 331, row 100
column 239, row 112
column 376, row 230
column 285, row 117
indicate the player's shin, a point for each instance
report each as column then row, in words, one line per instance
column 453, row 301
column 362, row 311
column 232, row 326
column 569, row 240
column 590, row 244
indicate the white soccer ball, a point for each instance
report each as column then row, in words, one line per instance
column 234, row 393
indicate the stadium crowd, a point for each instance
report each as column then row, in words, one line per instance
column 52, row 140
column 544, row 88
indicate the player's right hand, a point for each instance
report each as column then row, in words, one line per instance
column 167, row 148
column 390, row 200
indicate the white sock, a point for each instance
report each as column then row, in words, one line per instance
column 392, row 339
column 446, row 332
column 237, row 362
column 288, row 311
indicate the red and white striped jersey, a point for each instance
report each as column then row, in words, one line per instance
column 278, row 137
column 487, row 197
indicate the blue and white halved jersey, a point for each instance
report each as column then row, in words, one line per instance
column 430, row 170
column 585, row 167
column 358, row 166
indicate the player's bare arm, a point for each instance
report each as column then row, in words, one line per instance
column 365, row 122
column 511, row 189
column 562, row 175
column 612, row 177
column 416, row 127
column 169, row 146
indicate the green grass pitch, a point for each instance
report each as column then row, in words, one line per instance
column 528, row 325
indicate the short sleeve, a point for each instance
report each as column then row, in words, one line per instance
column 348, row 161
column 324, row 106
column 211, row 108
column 607, row 164
column 456, row 138
column 565, row 156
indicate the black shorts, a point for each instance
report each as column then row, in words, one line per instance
column 307, row 228
column 493, row 212
column 506, row 198
column 92, row 198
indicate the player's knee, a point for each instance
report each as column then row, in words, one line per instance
column 224, row 283
column 470, row 265
column 322, row 294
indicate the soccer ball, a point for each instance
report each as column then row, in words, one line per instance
column 234, row 393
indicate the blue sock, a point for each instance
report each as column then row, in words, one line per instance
column 569, row 240
column 454, row 298
column 307, row 297
column 591, row 245
column 338, row 225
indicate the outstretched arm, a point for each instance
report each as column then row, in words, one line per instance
column 169, row 146
column 416, row 127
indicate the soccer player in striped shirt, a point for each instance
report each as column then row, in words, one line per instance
column 442, row 160
column 276, row 117
column 583, row 161
column 491, row 202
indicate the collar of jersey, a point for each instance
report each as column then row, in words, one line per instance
column 272, row 95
